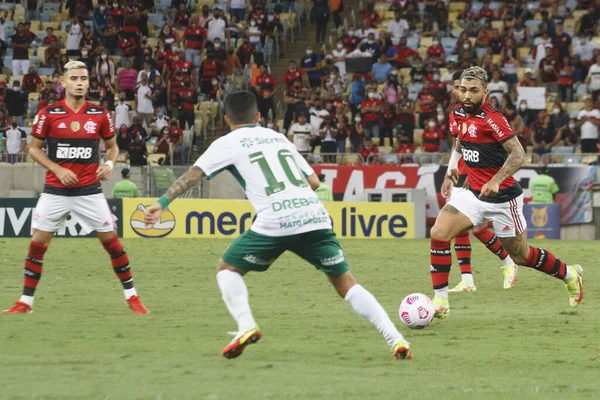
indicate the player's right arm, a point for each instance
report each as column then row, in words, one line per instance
column 216, row 158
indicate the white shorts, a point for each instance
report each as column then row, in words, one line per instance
column 91, row 212
column 507, row 218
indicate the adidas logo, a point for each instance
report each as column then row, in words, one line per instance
column 62, row 125
column 106, row 223
column 506, row 228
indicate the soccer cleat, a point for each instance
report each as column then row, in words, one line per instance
column 239, row 343
column 441, row 307
column 402, row 351
column 136, row 305
column 463, row 286
column 575, row 285
column 19, row 308
column 510, row 275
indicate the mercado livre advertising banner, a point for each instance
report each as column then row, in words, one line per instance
column 206, row 218
column 16, row 214
column 349, row 182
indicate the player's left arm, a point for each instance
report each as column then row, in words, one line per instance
column 107, row 133
column 516, row 158
column 191, row 178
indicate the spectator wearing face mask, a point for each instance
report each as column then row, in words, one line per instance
column 310, row 64
column 371, row 113
column 585, row 50
column 357, row 133
column 559, row 118
column 216, row 27
column 123, row 140
column 570, row 135
column 525, row 113
column 14, row 142
column 432, row 141
column 435, row 50
column 100, row 18
column 266, row 84
column 339, row 58
column 232, row 64
column 160, row 121
column 17, row 103
column 371, row 46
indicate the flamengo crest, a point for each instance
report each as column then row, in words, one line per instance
column 90, row 127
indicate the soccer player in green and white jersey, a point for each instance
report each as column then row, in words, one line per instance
column 280, row 185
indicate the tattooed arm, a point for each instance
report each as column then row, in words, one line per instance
column 516, row 158
column 190, row 178
column 184, row 183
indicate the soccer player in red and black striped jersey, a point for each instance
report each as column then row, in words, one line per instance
column 492, row 154
column 72, row 130
column 462, row 243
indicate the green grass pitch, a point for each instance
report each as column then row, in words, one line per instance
column 82, row 343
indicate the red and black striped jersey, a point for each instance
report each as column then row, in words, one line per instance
column 195, row 37
column 481, row 137
column 73, row 139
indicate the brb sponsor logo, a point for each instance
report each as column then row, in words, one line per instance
column 471, row 155
column 162, row 228
column 70, row 153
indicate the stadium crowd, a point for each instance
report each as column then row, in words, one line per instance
column 378, row 90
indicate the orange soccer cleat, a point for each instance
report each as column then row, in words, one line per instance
column 239, row 343
column 136, row 305
column 19, row 308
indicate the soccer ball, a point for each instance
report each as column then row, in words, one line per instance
column 416, row 311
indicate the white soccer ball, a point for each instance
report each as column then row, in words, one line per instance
column 416, row 311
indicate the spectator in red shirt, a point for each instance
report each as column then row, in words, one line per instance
column 349, row 40
column 265, row 89
column 182, row 18
column 127, row 47
column 485, row 11
column 293, row 74
column 426, row 101
column 403, row 53
column 176, row 140
column 432, row 142
column 32, row 81
column 371, row 113
column 370, row 14
column 369, row 151
column 405, row 150
column 528, row 80
column 45, row 93
column 435, row 50
column 245, row 51
column 194, row 40
column 50, row 37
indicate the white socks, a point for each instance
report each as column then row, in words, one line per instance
column 365, row 305
column 507, row 261
column 442, row 293
column 27, row 300
column 468, row 279
column 235, row 296
column 129, row 293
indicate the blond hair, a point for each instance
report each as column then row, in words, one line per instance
column 475, row 73
column 74, row 65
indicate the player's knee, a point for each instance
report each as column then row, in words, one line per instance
column 439, row 232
